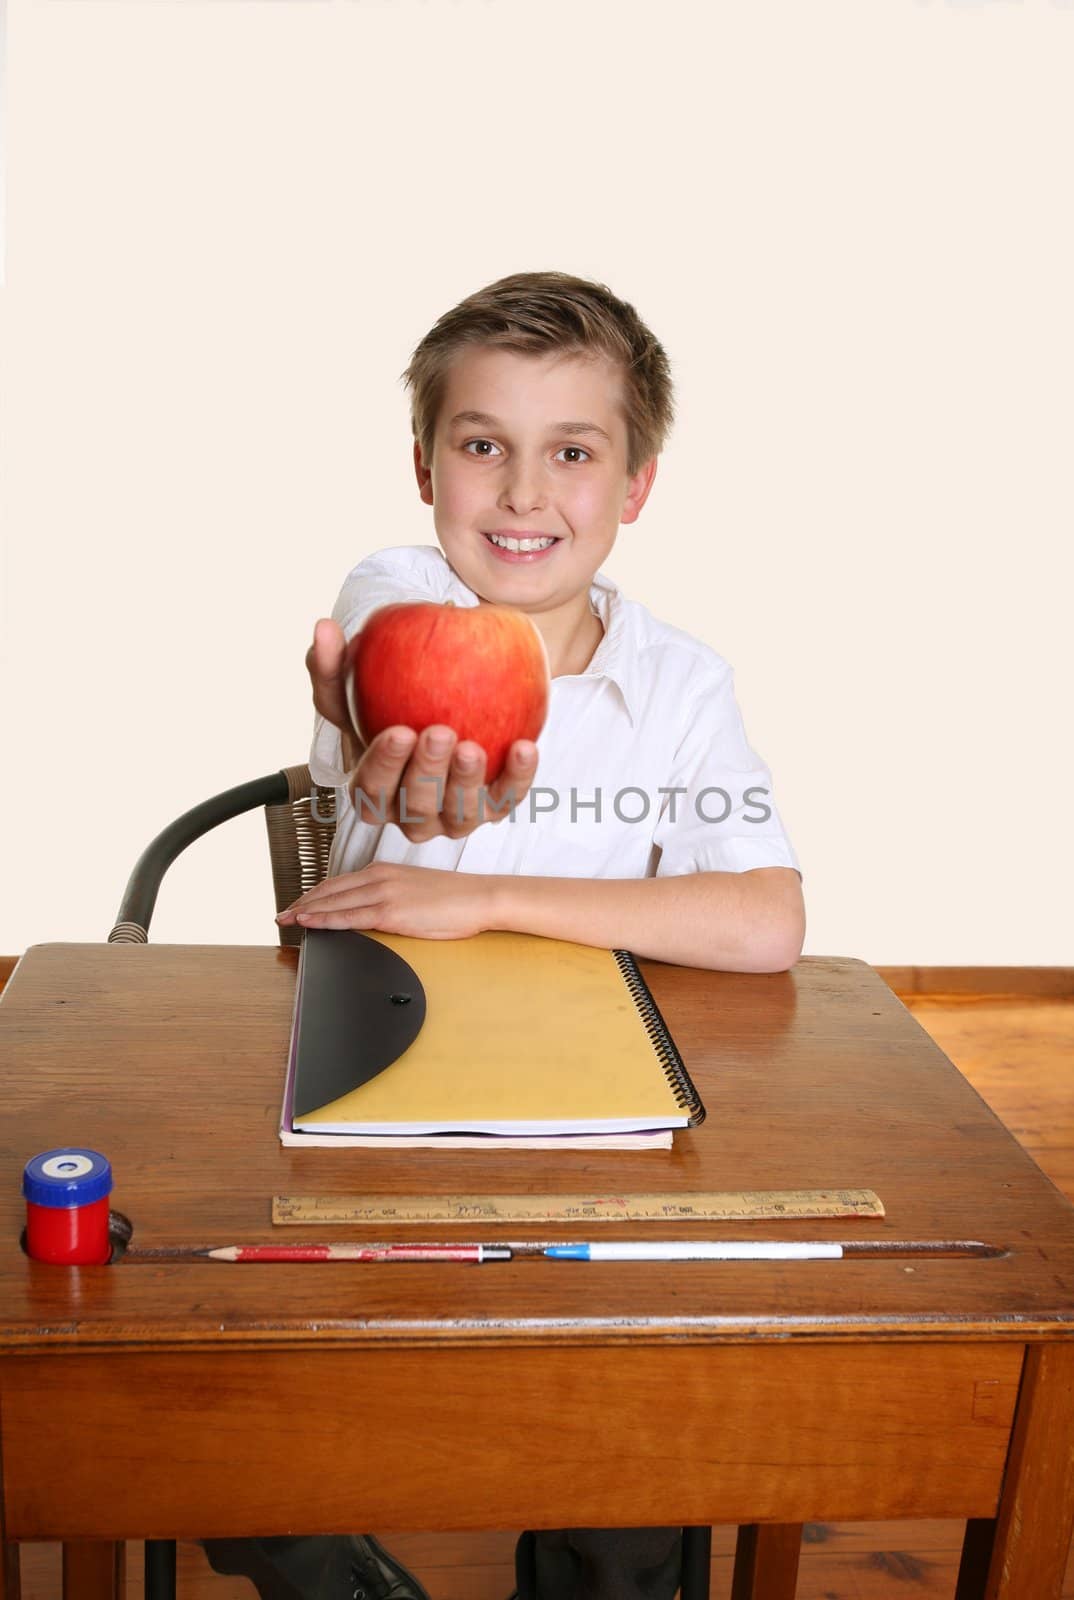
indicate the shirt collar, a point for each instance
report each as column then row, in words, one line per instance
column 616, row 657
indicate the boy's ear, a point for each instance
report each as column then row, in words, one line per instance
column 424, row 476
column 638, row 490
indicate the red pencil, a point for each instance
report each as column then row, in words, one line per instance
column 477, row 1253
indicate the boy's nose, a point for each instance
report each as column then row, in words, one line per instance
column 523, row 492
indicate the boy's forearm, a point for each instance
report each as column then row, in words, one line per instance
column 727, row 921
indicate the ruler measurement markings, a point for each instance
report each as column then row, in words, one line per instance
column 447, row 1210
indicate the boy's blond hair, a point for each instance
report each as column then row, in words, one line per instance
column 532, row 313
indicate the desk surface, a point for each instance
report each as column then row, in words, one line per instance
column 170, row 1059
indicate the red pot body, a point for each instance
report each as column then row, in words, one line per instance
column 69, row 1235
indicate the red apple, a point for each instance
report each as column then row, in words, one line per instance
column 481, row 670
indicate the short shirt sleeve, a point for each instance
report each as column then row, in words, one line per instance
column 726, row 821
column 374, row 582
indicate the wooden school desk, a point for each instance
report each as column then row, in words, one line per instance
column 191, row 1399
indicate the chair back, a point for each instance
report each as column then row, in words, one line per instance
column 300, row 834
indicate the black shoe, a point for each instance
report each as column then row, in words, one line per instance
column 344, row 1567
column 376, row 1575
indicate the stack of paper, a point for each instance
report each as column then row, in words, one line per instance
column 524, row 1041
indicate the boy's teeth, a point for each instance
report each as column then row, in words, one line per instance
column 520, row 544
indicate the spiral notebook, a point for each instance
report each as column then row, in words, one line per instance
column 502, row 1036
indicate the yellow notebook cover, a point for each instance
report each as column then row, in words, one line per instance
column 522, row 1035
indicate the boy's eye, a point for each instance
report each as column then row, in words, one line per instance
column 577, row 449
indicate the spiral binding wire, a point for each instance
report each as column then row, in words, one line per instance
column 674, row 1067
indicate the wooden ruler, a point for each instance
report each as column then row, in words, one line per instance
column 438, row 1210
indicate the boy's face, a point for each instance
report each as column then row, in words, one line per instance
column 520, row 473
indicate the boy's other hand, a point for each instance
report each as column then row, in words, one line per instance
column 433, row 786
column 421, row 902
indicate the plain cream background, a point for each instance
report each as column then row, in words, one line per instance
column 229, row 222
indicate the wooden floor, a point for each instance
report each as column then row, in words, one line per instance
column 1017, row 1050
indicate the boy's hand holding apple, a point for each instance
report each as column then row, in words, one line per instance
column 417, row 664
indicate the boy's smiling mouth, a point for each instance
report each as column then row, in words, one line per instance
column 526, row 547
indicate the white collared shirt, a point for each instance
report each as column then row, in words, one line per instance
column 653, row 712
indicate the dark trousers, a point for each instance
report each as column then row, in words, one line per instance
column 599, row 1564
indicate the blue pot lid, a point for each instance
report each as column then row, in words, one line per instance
column 67, row 1177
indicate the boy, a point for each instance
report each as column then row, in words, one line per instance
column 540, row 405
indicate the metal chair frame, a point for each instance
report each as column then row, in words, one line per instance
column 300, row 817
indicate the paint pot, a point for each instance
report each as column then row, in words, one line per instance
column 67, row 1194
